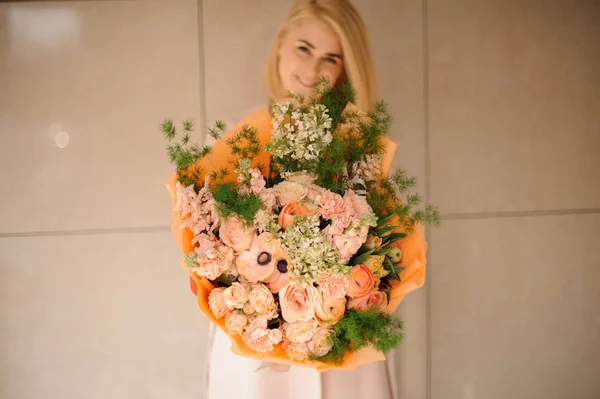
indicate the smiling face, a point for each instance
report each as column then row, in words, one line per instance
column 310, row 50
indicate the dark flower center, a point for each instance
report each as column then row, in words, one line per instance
column 263, row 258
column 282, row 266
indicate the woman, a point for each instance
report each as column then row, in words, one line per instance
column 317, row 38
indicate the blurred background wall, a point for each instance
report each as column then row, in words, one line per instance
column 497, row 111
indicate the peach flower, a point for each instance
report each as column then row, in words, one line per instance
column 260, row 261
column 333, row 285
column 296, row 351
column 235, row 322
column 321, row 343
column 286, row 216
column 235, row 235
column 212, row 257
column 361, row 281
column 298, row 302
column 216, row 302
column 330, row 310
column 300, row 331
column 259, row 338
column 281, row 276
column 372, row 298
column 236, row 295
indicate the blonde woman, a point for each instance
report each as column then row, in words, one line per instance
column 317, row 38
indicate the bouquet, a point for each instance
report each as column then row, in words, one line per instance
column 298, row 244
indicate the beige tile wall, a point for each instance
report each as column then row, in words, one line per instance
column 496, row 110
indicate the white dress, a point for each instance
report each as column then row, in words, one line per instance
column 231, row 376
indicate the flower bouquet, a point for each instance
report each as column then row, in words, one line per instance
column 298, row 244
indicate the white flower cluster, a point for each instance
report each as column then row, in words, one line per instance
column 300, row 135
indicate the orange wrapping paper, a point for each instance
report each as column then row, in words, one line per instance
column 413, row 248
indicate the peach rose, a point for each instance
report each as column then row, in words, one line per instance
column 361, row 281
column 259, row 338
column 235, row 235
column 286, row 216
column 321, row 343
column 236, row 295
column 372, row 298
column 216, row 302
column 300, row 331
column 288, row 191
column 262, row 301
column 333, row 285
column 330, row 310
column 298, row 303
column 260, row 261
column 296, row 351
column 235, row 322
column 346, row 245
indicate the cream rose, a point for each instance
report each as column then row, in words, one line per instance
column 235, row 235
column 300, row 331
column 235, row 322
column 321, row 343
column 259, row 338
column 216, row 302
column 288, row 191
column 236, row 295
column 262, row 301
column 298, row 303
column 361, row 281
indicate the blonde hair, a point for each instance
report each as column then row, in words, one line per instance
column 350, row 29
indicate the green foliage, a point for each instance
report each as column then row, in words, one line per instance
column 358, row 329
column 230, row 202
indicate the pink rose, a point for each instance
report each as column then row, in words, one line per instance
column 358, row 203
column 346, row 245
column 300, row 331
column 259, row 338
column 361, row 281
column 321, row 342
column 286, row 217
column 216, row 302
column 372, row 298
column 235, row 235
column 333, row 285
column 298, row 303
column 331, row 204
column 296, row 351
column 236, row 295
column 235, row 322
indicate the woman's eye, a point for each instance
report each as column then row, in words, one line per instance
column 304, row 49
column 331, row 60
